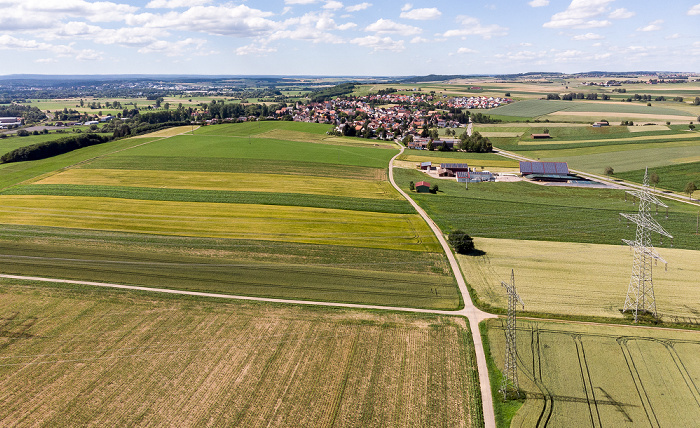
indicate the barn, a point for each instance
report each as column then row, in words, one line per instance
column 547, row 171
column 422, row 187
column 451, row 169
column 474, row 176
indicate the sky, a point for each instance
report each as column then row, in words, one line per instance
column 347, row 38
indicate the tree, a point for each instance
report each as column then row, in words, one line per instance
column 412, row 185
column 434, row 188
column 691, row 127
column 690, row 188
column 430, row 145
column 609, row 170
column 654, row 179
column 461, row 242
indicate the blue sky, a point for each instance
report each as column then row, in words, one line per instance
column 350, row 37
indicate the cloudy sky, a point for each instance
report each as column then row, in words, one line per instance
column 349, row 37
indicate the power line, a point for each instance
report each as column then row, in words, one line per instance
column 510, row 371
column 640, row 292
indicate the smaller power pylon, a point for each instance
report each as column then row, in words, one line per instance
column 640, row 293
column 510, row 371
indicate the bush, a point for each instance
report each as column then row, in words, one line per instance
column 461, row 242
column 22, row 133
column 434, row 188
column 609, row 170
column 52, row 148
column 412, row 185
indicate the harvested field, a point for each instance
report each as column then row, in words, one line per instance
column 474, row 161
column 585, row 375
column 500, row 134
column 621, row 115
column 647, row 128
column 84, row 357
column 643, row 138
column 235, row 221
column 278, row 183
column 565, row 278
column 168, row 132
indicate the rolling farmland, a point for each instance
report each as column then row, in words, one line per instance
column 82, row 356
column 596, row 375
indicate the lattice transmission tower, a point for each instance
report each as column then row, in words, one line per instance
column 640, row 293
column 510, row 371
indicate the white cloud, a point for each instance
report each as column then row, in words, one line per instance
column 379, row 43
column 652, row 26
column 579, row 14
column 358, row 7
column 473, row 27
column 406, row 7
column 312, row 26
column 46, row 60
column 419, row 39
column 174, row 4
column 177, row 48
column 254, row 49
column 300, row 1
column 673, row 36
column 9, row 42
column 466, row 51
column 346, row 26
column 238, row 21
column 588, row 36
column 539, row 3
column 695, row 10
column 421, row 14
column 621, row 13
column 388, row 26
column 333, row 5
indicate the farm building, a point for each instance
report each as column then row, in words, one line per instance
column 600, row 124
column 422, row 187
column 451, row 169
column 425, row 166
column 547, row 171
column 474, row 176
column 541, row 136
column 10, row 122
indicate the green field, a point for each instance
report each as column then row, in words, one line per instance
column 596, row 375
column 583, row 280
column 672, row 177
column 538, row 108
column 82, row 356
column 529, row 211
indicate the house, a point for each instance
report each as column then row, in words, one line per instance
column 425, row 166
column 451, row 169
column 422, row 187
column 600, row 124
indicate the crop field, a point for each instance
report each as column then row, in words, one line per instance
column 529, row 211
column 596, row 375
column 486, row 160
column 541, row 108
column 226, row 181
column 672, row 177
column 235, row 221
column 82, row 356
column 565, row 278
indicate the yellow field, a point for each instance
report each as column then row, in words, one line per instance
column 612, row 140
column 486, row 163
column 494, row 134
column 85, row 357
column 647, row 128
column 278, row 183
column 579, row 279
column 168, row 132
column 562, row 115
column 237, row 221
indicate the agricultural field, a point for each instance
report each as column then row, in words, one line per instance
column 528, row 211
column 86, row 356
column 672, row 177
column 591, row 111
column 598, row 375
column 492, row 162
column 248, row 200
column 573, row 279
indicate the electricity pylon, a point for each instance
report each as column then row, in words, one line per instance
column 640, row 293
column 510, row 371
